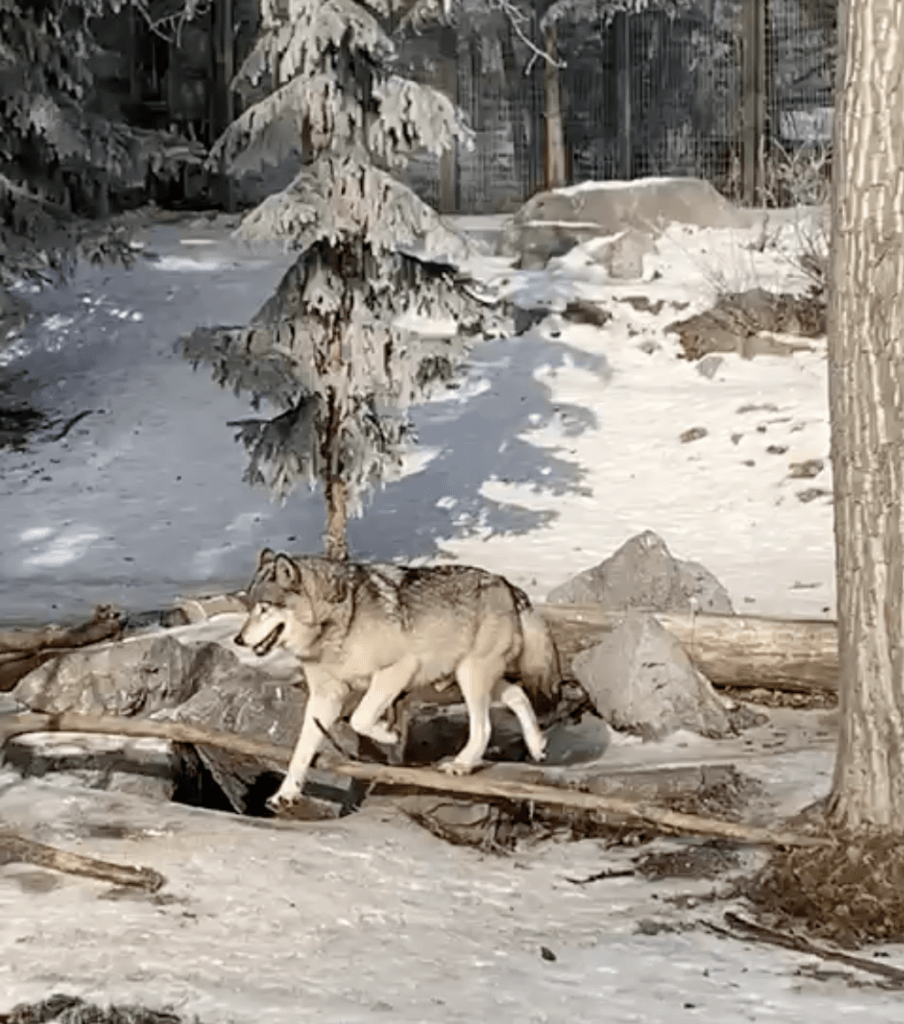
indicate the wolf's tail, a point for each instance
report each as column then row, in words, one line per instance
column 539, row 666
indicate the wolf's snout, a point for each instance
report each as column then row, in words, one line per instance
column 238, row 641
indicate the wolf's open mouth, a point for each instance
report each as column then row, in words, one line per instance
column 269, row 642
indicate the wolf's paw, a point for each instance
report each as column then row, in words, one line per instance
column 457, row 767
column 538, row 750
column 283, row 801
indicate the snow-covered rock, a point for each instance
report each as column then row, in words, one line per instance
column 643, row 573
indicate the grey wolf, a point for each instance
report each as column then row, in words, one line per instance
column 380, row 630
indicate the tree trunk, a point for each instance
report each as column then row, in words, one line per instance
column 555, row 134
column 866, row 390
column 336, row 520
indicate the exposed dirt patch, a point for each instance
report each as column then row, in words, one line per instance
column 806, row 470
column 815, row 699
column 812, row 493
column 653, row 926
column 726, row 798
column 580, row 311
column 850, row 892
column 643, row 304
column 706, row 860
column 18, row 424
column 743, row 322
column 14, row 314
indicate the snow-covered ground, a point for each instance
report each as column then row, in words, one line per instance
column 372, row 918
column 560, row 445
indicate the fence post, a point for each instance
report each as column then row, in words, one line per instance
column 448, row 83
column 622, row 27
column 753, row 131
column 555, row 136
column 224, row 49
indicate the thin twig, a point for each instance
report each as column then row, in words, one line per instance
column 517, row 19
column 70, row 423
column 602, row 876
column 803, row 945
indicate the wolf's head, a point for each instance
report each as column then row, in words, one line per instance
column 290, row 602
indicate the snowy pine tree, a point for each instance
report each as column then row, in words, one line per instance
column 373, row 311
column 56, row 132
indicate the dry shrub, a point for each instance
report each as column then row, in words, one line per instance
column 850, row 891
column 63, row 1009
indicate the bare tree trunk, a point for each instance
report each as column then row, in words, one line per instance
column 866, row 389
column 555, row 133
column 336, row 520
column 334, row 487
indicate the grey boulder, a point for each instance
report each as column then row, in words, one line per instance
column 644, row 574
column 641, row 681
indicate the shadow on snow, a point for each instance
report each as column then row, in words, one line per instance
column 482, row 438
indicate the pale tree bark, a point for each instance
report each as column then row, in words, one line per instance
column 866, row 390
column 336, row 520
column 335, row 491
column 555, row 133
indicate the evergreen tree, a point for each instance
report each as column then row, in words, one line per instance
column 373, row 312
column 60, row 151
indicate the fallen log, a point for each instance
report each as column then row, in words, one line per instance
column 744, row 651
column 23, row 650
column 730, row 650
column 110, row 725
column 106, row 623
column 659, row 817
column 481, row 785
column 16, row 848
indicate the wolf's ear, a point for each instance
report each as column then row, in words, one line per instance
column 265, row 558
column 286, row 572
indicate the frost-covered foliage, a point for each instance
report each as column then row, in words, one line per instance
column 374, row 311
column 593, row 10
column 50, row 126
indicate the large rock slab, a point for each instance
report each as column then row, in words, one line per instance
column 136, row 676
column 158, row 676
column 641, row 681
column 255, row 707
column 553, row 222
column 644, row 574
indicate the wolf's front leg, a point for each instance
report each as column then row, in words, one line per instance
column 326, row 696
column 385, row 686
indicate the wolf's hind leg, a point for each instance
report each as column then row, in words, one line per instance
column 385, row 686
column 515, row 699
column 475, row 677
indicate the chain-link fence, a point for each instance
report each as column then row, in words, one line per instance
column 735, row 91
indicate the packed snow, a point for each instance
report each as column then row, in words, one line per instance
column 557, row 447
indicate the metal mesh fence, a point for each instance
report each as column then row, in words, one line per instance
column 735, row 91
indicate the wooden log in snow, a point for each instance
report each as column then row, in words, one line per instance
column 730, row 650
column 478, row 785
column 24, row 650
column 18, row 848
column 481, row 785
